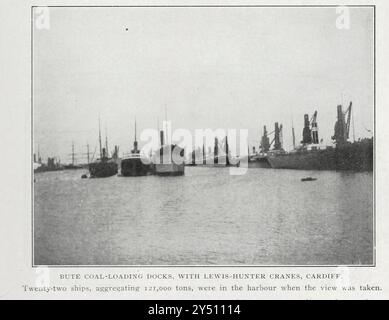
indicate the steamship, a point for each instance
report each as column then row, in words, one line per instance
column 312, row 155
column 259, row 159
column 167, row 159
column 104, row 166
column 135, row 165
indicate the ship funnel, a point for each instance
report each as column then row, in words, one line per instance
column 162, row 137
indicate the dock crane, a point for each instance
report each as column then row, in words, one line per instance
column 276, row 142
column 314, row 129
column 310, row 131
column 342, row 126
column 348, row 113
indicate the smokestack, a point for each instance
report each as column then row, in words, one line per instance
column 162, row 138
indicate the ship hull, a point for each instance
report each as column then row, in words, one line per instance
column 219, row 162
column 357, row 156
column 72, row 167
column 165, row 165
column 169, row 169
column 103, row 169
column 134, row 168
column 312, row 160
column 262, row 162
column 46, row 169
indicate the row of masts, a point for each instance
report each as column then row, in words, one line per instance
column 310, row 135
column 103, row 151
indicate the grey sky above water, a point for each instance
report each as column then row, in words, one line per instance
column 211, row 67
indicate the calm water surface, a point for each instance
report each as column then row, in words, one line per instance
column 203, row 218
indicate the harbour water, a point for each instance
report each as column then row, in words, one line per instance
column 207, row 217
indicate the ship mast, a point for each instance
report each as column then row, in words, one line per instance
column 204, row 155
column 106, row 140
column 101, row 150
column 293, row 136
column 39, row 155
column 87, row 151
column 166, row 129
column 72, row 153
column 135, row 150
column 353, row 127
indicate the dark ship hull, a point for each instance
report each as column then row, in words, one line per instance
column 72, row 167
column 134, row 167
column 44, row 168
column 219, row 162
column 259, row 162
column 103, row 169
column 357, row 156
column 172, row 169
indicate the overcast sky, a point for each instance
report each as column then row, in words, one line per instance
column 211, row 67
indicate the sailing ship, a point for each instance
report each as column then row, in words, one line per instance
column 104, row 166
column 72, row 165
column 135, row 165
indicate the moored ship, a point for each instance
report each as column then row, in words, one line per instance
column 104, row 166
column 135, row 165
column 51, row 165
column 312, row 155
column 169, row 159
column 221, row 156
column 259, row 159
column 73, row 165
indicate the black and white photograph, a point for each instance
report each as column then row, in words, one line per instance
column 203, row 135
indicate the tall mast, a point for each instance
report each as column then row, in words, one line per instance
column 135, row 150
column 87, row 151
column 39, row 155
column 135, row 128
column 353, row 126
column 294, row 137
column 101, row 150
column 204, row 155
column 72, row 153
column 166, row 128
column 106, row 140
